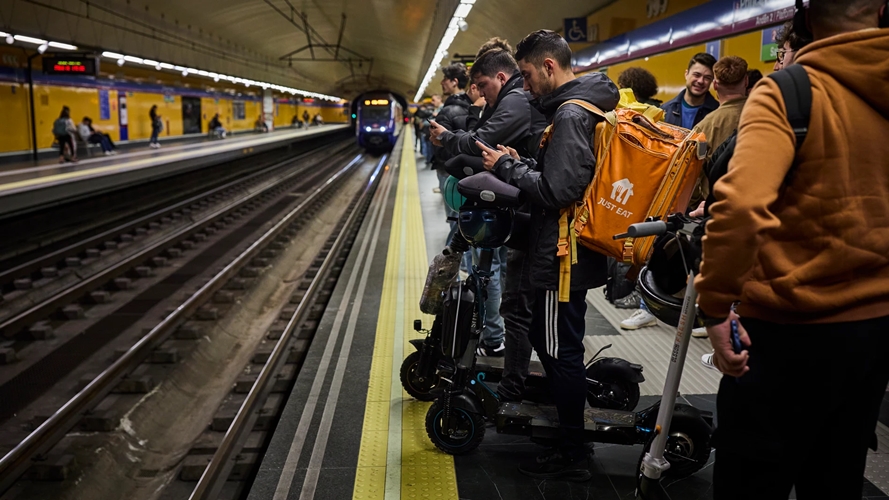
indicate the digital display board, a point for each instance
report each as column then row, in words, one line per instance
column 70, row 65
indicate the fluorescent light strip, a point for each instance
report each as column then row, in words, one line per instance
column 446, row 40
column 217, row 76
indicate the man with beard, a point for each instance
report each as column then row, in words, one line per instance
column 695, row 102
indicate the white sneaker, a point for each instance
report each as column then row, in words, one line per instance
column 640, row 319
column 699, row 333
column 707, row 361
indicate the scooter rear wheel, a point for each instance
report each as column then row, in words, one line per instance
column 465, row 437
column 613, row 393
column 410, row 379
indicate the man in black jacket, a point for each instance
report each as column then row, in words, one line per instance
column 454, row 115
column 508, row 119
column 564, row 167
column 695, row 102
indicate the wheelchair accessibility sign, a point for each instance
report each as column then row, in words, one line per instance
column 575, row 29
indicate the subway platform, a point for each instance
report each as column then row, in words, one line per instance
column 349, row 430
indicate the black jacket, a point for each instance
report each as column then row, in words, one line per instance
column 511, row 121
column 559, row 177
column 673, row 109
column 454, row 115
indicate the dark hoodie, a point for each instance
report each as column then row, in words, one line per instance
column 511, row 121
column 815, row 250
column 559, row 177
column 454, row 115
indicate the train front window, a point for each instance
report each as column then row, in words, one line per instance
column 375, row 114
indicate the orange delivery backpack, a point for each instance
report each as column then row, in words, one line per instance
column 643, row 169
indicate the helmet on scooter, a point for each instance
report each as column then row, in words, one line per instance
column 452, row 197
column 485, row 227
column 671, row 257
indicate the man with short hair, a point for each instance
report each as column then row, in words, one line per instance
column 730, row 83
column 799, row 240
column 694, row 102
column 557, row 180
column 508, row 119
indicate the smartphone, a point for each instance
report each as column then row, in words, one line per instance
column 736, row 338
column 479, row 139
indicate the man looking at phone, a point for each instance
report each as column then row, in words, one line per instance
column 800, row 240
column 508, row 119
column 557, row 179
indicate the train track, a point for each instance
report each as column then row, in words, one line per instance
column 67, row 417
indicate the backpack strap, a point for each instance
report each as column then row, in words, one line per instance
column 796, row 89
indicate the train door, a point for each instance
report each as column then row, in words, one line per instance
column 191, row 115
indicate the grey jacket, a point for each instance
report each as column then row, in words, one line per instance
column 559, row 177
column 512, row 121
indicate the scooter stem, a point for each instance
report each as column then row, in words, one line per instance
column 654, row 464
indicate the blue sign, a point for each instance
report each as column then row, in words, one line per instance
column 104, row 105
column 575, row 29
column 714, row 48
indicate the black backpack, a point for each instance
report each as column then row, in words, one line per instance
column 617, row 285
column 796, row 89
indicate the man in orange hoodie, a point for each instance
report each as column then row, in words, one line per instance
column 806, row 257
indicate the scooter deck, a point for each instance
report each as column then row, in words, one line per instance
column 494, row 366
column 521, row 414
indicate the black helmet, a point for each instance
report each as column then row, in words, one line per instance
column 484, row 227
column 662, row 304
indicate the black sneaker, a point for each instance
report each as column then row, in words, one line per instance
column 554, row 465
column 496, row 351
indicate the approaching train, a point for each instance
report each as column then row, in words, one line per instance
column 379, row 120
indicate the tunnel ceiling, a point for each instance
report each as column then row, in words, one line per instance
column 384, row 43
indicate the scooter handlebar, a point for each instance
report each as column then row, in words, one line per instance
column 642, row 229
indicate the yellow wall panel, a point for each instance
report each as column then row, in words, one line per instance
column 668, row 68
column 626, row 15
column 748, row 46
column 138, row 106
column 16, row 129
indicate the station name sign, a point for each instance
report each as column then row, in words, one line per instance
column 71, row 65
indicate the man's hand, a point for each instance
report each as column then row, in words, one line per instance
column 513, row 153
column 491, row 156
column 724, row 356
column 698, row 212
column 435, row 130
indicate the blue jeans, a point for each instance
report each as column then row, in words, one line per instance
column 493, row 334
column 155, row 130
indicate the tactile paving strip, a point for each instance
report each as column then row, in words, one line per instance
column 877, row 469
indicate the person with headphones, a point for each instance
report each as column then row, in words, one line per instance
column 799, row 243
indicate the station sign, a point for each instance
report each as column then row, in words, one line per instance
column 70, row 64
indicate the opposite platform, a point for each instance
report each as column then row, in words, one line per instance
column 26, row 188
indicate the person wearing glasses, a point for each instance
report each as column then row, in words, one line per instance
column 789, row 44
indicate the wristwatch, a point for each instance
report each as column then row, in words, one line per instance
column 709, row 321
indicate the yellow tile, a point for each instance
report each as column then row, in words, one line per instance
column 370, row 483
column 432, row 483
column 374, row 445
column 376, row 416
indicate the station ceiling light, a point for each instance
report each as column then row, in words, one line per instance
column 457, row 23
column 120, row 58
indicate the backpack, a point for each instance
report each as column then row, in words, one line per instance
column 60, row 127
column 796, row 90
column 617, row 286
column 643, row 169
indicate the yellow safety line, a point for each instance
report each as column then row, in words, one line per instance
column 424, row 471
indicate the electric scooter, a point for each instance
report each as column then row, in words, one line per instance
column 455, row 421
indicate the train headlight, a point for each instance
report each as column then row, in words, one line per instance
column 382, row 129
column 367, row 129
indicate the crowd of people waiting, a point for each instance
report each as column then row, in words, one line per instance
column 795, row 249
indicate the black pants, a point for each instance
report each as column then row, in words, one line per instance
column 805, row 413
column 66, row 140
column 516, row 309
column 557, row 330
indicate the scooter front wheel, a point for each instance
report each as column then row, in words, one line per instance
column 412, row 381
column 688, row 445
column 464, row 436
